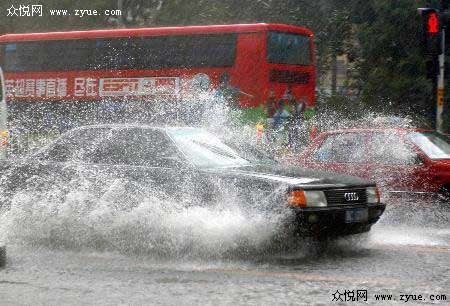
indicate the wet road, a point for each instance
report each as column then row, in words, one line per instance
column 405, row 259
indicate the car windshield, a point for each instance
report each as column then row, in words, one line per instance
column 251, row 152
column 205, row 150
column 433, row 144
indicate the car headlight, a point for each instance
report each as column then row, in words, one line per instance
column 373, row 195
column 307, row 198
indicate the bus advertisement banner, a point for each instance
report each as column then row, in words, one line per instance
column 91, row 87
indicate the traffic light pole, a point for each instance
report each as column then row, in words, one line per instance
column 440, row 86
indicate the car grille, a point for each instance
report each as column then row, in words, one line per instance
column 338, row 196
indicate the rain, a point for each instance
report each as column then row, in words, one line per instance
column 355, row 94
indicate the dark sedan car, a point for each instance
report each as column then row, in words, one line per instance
column 194, row 167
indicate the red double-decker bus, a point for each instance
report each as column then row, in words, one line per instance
column 68, row 71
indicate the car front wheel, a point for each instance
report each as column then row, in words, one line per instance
column 444, row 193
column 2, row 256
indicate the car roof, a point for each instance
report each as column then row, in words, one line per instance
column 126, row 126
column 378, row 129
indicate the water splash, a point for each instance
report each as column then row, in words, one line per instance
column 73, row 216
column 77, row 218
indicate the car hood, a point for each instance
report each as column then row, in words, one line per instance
column 296, row 176
column 442, row 163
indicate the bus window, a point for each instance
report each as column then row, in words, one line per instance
column 288, row 48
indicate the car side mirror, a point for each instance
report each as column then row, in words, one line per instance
column 415, row 160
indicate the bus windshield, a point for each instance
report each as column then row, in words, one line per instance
column 288, row 48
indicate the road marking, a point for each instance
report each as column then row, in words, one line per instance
column 311, row 277
column 415, row 247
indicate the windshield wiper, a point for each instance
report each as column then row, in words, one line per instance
column 217, row 150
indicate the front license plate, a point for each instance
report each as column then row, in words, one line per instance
column 356, row 215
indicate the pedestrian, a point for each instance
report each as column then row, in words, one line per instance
column 288, row 97
column 280, row 116
column 228, row 93
column 296, row 123
column 270, row 107
column 301, row 107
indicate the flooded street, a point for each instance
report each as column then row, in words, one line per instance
column 208, row 153
column 74, row 241
column 402, row 258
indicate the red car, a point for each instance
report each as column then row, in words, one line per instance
column 409, row 160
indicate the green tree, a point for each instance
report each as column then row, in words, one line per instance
column 391, row 63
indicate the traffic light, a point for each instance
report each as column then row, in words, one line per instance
column 432, row 19
column 432, row 30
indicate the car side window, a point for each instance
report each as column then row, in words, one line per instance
column 74, row 146
column 389, row 148
column 137, row 147
column 342, row 148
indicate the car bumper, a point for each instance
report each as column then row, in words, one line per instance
column 337, row 221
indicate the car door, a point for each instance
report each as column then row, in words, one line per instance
column 146, row 162
column 344, row 152
column 394, row 164
column 56, row 164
